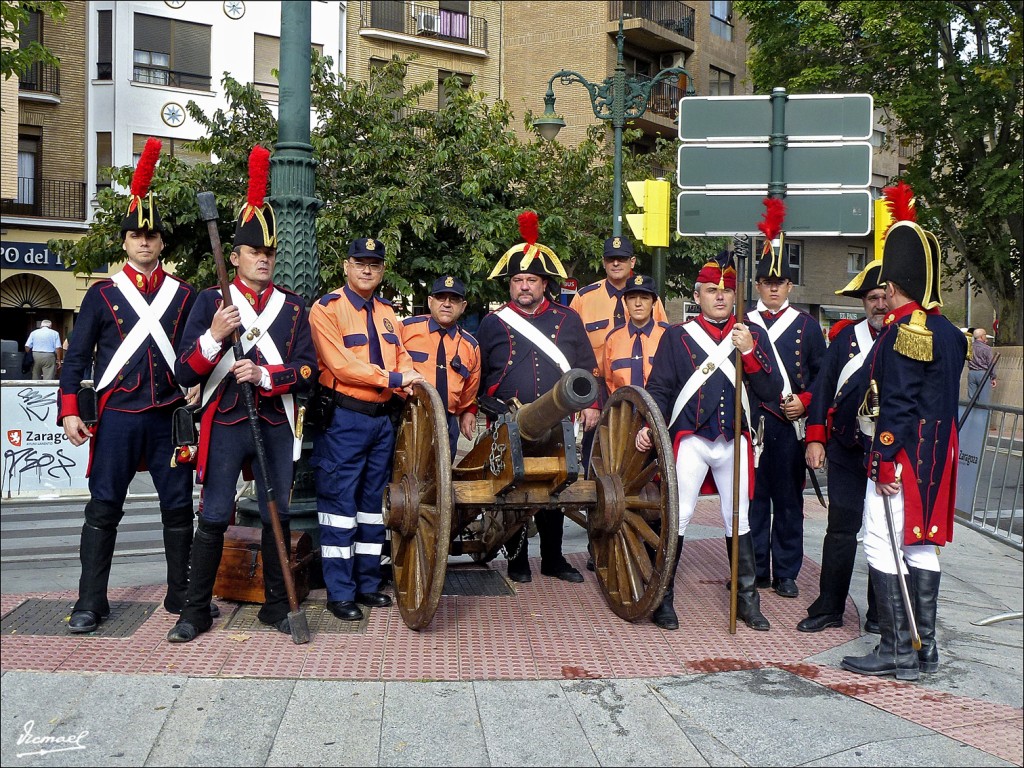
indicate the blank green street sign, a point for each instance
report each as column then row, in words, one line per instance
column 821, row 213
column 820, row 117
column 821, row 165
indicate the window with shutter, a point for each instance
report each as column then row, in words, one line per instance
column 105, row 45
column 171, row 52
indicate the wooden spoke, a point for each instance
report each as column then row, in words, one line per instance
column 636, row 540
column 422, row 474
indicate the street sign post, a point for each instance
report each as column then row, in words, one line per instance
column 809, row 117
column 748, row 166
column 811, row 149
column 809, row 213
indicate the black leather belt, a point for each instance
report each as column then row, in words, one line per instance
column 361, row 406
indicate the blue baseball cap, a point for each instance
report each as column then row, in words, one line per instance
column 448, row 284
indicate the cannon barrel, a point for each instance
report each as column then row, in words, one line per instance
column 576, row 390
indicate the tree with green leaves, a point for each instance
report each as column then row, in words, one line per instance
column 15, row 58
column 441, row 189
column 948, row 77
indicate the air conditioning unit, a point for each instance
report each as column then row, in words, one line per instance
column 427, row 23
column 668, row 60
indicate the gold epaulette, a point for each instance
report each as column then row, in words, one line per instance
column 913, row 339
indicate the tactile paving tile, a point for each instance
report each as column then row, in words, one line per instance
column 477, row 582
column 317, row 616
column 50, row 617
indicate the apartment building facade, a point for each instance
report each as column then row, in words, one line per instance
column 128, row 70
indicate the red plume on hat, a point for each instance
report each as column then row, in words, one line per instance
column 900, row 202
column 531, row 256
column 259, row 173
column 529, row 227
column 143, row 175
column 771, row 222
column 257, row 223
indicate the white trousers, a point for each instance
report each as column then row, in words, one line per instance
column 877, row 546
column 693, row 460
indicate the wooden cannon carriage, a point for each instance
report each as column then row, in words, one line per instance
column 527, row 461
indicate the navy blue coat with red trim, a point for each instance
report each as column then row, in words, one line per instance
column 291, row 335
column 512, row 366
column 832, row 415
column 146, row 381
column 916, row 426
column 801, row 348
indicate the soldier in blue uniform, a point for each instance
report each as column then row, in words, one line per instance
column 278, row 362
column 128, row 328
column 832, row 432
column 777, row 510
column 526, row 347
column 693, row 382
column 915, row 364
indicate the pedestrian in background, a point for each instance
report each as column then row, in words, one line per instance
column 980, row 360
column 47, row 351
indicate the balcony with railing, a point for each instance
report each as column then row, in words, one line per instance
column 171, row 77
column 418, row 21
column 667, row 22
column 47, row 199
column 40, row 78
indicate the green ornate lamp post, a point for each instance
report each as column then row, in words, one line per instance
column 620, row 98
column 291, row 168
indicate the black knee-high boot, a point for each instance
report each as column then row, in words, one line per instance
column 894, row 654
column 207, row 547
column 748, row 600
column 665, row 614
column 96, row 553
column 926, row 598
column 177, row 552
column 275, row 596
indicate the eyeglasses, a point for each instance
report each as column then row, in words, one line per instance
column 372, row 266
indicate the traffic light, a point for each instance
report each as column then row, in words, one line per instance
column 651, row 226
column 883, row 220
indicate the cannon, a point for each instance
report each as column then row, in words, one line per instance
column 524, row 462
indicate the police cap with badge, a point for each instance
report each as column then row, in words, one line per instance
column 448, row 284
column 640, row 284
column 617, row 247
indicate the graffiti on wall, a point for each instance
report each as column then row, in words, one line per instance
column 37, row 456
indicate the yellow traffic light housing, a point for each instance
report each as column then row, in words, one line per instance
column 651, row 226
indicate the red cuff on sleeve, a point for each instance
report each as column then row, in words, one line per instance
column 805, row 398
column 816, row 433
column 68, row 406
column 750, row 363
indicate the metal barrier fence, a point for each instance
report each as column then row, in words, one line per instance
column 996, row 507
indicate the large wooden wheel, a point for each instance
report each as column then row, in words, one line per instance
column 635, row 524
column 418, row 506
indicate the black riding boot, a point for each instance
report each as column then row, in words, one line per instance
column 665, row 614
column 926, row 597
column 207, row 547
column 275, row 603
column 748, row 601
column 96, row 553
column 177, row 552
column 871, row 614
column 894, row 654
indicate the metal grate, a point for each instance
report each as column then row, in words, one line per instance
column 317, row 616
column 476, row 583
column 50, row 617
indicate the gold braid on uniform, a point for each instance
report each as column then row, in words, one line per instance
column 913, row 339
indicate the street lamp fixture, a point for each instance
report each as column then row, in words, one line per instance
column 620, row 98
